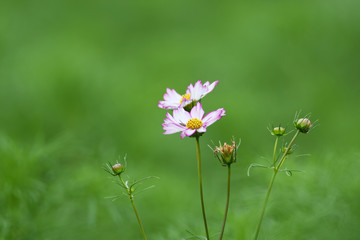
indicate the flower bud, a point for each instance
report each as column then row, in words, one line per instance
column 289, row 152
column 118, row 169
column 303, row 125
column 278, row 131
column 226, row 153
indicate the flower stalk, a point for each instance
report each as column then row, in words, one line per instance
column 227, row 201
column 131, row 196
column 274, row 153
column 265, row 203
column 201, row 188
column 276, row 170
column 226, row 154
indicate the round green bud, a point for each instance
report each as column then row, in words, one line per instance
column 289, row 152
column 303, row 125
column 118, row 169
column 278, row 131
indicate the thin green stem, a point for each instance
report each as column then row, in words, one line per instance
column 274, row 154
column 201, row 188
column 265, row 203
column 287, row 150
column 227, row 203
column 276, row 169
column 137, row 216
column 131, row 196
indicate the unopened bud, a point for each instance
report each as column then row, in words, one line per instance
column 278, row 131
column 118, row 169
column 226, row 153
column 303, row 125
column 290, row 151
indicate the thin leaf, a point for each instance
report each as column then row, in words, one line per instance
column 195, row 236
column 255, row 165
column 143, row 190
column 289, row 172
column 293, row 170
column 143, row 179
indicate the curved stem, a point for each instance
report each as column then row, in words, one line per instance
column 265, row 203
column 227, row 203
column 201, row 189
column 133, row 205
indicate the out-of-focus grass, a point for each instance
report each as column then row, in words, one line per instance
column 79, row 84
column 42, row 198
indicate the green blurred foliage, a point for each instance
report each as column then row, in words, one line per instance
column 79, row 84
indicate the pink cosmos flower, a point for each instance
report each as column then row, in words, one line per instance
column 173, row 100
column 189, row 123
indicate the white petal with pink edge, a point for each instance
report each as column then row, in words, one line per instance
column 187, row 133
column 172, row 128
column 181, row 116
column 197, row 111
column 171, row 100
column 212, row 117
column 199, row 90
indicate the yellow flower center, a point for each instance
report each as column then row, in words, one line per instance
column 186, row 96
column 194, row 123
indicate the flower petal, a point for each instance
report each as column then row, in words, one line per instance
column 199, row 90
column 188, row 132
column 197, row 111
column 202, row 129
column 212, row 117
column 170, row 125
column 172, row 128
column 185, row 102
column 181, row 116
column 171, row 100
column 170, row 119
column 212, row 86
column 195, row 91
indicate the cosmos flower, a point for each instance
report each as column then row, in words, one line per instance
column 191, row 122
column 173, row 100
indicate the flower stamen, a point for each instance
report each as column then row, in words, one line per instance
column 186, row 96
column 194, row 123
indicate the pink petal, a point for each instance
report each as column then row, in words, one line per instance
column 201, row 129
column 212, row 86
column 212, row 117
column 172, row 128
column 170, row 119
column 171, row 100
column 188, row 132
column 197, row 111
column 199, row 90
column 181, row 116
column 185, row 102
column 195, row 91
column 171, row 95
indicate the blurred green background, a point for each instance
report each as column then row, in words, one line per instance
column 79, row 86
